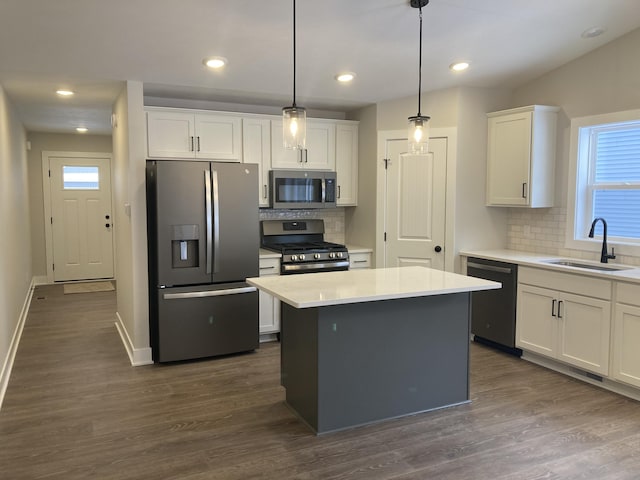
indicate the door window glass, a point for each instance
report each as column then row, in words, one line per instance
column 80, row 178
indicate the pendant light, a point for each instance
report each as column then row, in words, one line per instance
column 419, row 124
column 294, row 118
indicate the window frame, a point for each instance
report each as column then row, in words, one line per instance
column 580, row 191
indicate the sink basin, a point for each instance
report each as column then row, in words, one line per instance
column 601, row 267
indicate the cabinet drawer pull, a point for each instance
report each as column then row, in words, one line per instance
column 268, row 268
column 360, row 261
column 553, row 307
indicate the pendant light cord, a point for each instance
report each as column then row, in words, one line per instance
column 294, row 53
column 419, row 67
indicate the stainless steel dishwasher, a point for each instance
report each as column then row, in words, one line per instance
column 493, row 312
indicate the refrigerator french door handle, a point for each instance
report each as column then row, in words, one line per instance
column 216, row 220
column 207, row 207
column 211, row 293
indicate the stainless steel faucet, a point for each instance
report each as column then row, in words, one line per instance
column 604, row 256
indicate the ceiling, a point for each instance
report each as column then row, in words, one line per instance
column 92, row 46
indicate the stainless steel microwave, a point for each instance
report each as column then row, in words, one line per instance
column 302, row 189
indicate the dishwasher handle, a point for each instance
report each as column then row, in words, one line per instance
column 489, row 268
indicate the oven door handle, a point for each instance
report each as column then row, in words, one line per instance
column 301, row 267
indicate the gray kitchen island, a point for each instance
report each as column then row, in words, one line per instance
column 362, row 346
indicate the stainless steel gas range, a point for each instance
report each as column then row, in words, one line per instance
column 302, row 245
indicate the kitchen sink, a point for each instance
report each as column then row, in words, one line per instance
column 601, row 267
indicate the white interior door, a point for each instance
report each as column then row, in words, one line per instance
column 415, row 194
column 81, row 220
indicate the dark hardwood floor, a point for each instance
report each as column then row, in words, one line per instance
column 76, row 409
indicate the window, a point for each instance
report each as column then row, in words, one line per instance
column 605, row 180
column 80, row 178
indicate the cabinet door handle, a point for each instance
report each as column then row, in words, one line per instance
column 264, row 189
column 560, row 308
column 553, row 307
column 191, row 147
column 198, row 137
column 338, row 191
column 306, row 155
column 524, row 190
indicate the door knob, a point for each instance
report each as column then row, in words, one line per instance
column 438, row 248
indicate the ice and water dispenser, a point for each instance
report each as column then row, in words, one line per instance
column 185, row 246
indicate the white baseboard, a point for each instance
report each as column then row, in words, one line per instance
column 7, row 365
column 577, row 373
column 137, row 356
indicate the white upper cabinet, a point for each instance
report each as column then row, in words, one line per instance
column 170, row 134
column 347, row 164
column 256, row 148
column 188, row 134
column 521, row 157
column 320, row 153
column 218, row 137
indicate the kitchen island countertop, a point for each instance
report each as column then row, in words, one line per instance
column 366, row 285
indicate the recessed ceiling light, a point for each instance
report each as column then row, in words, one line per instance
column 459, row 66
column 64, row 92
column 82, row 129
column 215, row 62
column 345, row 77
column 592, row 32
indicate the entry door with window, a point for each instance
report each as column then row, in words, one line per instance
column 415, row 205
column 81, row 220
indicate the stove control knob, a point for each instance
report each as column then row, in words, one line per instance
column 339, row 254
column 332, row 255
column 294, row 258
column 301, row 257
column 316, row 256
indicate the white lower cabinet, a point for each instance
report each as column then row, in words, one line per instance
column 626, row 334
column 359, row 260
column 269, row 305
column 566, row 322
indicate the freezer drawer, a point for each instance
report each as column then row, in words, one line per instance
column 205, row 322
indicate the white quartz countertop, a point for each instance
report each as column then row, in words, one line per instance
column 366, row 285
column 264, row 253
column 628, row 273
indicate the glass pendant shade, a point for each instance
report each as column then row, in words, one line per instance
column 418, row 135
column 294, row 127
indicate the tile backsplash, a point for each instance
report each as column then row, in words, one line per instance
column 333, row 220
column 543, row 231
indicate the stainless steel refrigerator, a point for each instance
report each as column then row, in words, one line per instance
column 203, row 239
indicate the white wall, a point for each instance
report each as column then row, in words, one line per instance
column 129, row 140
column 60, row 143
column 474, row 226
column 360, row 222
column 15, row 240
column 603, row 81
